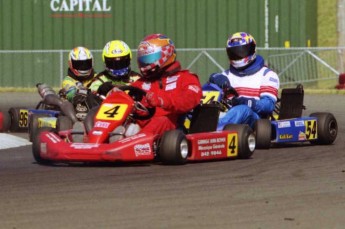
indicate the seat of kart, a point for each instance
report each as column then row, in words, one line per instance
column 291, row 103
column 204, row 118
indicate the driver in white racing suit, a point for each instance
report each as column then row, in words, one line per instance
column 257, row 86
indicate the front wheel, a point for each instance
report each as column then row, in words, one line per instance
column 263, row 133
column 34, row 124
column 173, row 148
column 36, row 146
column 246, row 139
column 327, row 128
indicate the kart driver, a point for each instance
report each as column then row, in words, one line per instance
column 80, row 72
column 117, row 59
column 170, row 89
column 257, row 86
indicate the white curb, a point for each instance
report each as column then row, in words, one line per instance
column 11, row 141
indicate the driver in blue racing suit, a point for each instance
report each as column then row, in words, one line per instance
column 257, row 86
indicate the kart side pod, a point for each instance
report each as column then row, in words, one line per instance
column 235, row 141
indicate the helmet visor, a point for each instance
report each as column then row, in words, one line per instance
column 149, row 58
column 82, row 65
column 241, row 51
column 117, row 63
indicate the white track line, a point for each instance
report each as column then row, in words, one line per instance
column 11, row 141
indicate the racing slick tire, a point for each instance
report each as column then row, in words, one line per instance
column 18, row 120
column 63, row 123
column 327, row 128
column 5, row 120
column 263, row 133
column 33, row 124
column 36, row 149
column 173, row 148
column 246, row 139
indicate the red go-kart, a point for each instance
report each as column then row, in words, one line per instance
column 104, row 139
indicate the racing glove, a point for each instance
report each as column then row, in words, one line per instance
column 105, row 88
column 220, row 80
column 244, row 101
column 154, row 100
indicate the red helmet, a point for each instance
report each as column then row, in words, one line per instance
column 155, row 52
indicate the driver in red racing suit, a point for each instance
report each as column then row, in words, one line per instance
column 170, row 89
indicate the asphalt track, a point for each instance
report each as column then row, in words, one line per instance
column 297, row 186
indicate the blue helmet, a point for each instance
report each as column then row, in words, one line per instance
column 241, row 49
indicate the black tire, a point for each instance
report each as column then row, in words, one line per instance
column 89, row 119
column 36, row 149
column 33, row 124
column 18, row 123
column 263, row 133
column 63, row 123
column 6, row 122
column 246, row 139
column 327, row 128
column 173, row 148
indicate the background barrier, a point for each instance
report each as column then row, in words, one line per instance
column 317, row 68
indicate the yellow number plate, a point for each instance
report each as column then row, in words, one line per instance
column 209, row 96
column 112, row 111
column 310, row 129
column 23, row 118
column 232, row 148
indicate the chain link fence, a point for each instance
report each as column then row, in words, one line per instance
column 313, row 67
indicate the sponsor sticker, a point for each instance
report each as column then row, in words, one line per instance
column 194, row 88
column 299, row 123
column 285, row 136
column 43, row 148
column 142, row 149
column 84, row 145
column 284, row 124
column 97, row 133
column 171, row 79
column 101, row 124
column 302, row 136
column 170, row 86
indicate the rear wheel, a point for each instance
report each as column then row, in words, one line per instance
column 173, row 148
column 19, row 119
column 246, row 139
column 327, row 128
column 263, row 133
column 36, row 146
column 34, row 124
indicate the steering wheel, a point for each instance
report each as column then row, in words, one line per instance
column 228, row 103
column 142, row 112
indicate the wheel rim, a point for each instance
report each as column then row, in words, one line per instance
column 251, row 142
column 184, row 148
column 332, row 128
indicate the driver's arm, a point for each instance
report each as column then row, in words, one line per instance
column 265, row 105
